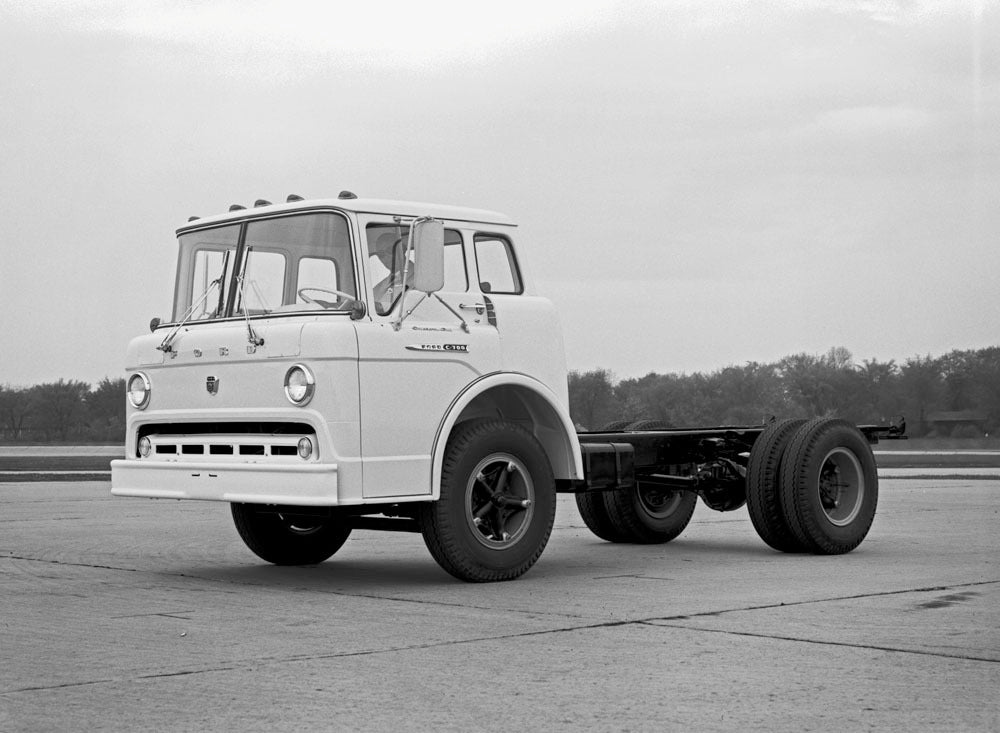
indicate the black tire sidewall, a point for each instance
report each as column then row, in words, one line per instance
column 595, row 516
column 271, row 540
column 800, row 484
column 763, row 486
column 463, row 552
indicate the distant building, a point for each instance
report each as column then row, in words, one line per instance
column 947, row 423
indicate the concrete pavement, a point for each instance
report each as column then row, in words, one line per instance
column 120, row 614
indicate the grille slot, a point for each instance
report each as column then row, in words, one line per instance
column 241, row 447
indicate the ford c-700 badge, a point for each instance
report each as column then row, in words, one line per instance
column 212, row 385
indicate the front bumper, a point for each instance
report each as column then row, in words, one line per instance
column 251, row 483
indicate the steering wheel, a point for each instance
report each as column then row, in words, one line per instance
column 337, row 293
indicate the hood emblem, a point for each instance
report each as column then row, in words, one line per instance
column 212, row 385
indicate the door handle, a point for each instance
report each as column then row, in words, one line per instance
column 478, row 307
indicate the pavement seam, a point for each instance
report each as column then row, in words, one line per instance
column 369, row 596
column 69, row 564
column 649, row 623
column 871, row 647
column 260, row 661
column 653, row 622
column 791, row 604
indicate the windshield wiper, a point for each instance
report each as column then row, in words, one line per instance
column 252, row 337
column 166, row 345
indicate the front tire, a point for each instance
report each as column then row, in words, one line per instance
column 288, row 540
column 829, row 486
column 497, row 504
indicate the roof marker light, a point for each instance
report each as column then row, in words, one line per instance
column 293, row 197
column 193, row 218
column 261, row 202
column 236, row 207
column 347, row 195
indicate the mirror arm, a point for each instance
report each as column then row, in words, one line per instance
column 465, row 325
column 398, row 323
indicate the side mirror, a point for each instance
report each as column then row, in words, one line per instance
column 427, row 243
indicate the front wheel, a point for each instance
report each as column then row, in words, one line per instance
column 497, row 503
column 287, row 539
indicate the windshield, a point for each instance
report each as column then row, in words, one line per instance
column 283, row 265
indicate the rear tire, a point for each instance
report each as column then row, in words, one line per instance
column 764, row 486
column 591, row 504
column 829, row 486
column 284, row 540
column 648, row 515
column 595, row 516
column 497, row 504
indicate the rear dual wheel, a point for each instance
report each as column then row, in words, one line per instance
column 764, row 504
column 643, row 514
column 829, row 486
column 812, row 486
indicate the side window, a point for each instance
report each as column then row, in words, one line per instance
column 455, row 279
column 386, row 249
column 497, row 266
column 318, row 273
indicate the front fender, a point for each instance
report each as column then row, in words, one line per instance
column 551, row 423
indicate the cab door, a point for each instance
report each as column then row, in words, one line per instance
column 409, row 377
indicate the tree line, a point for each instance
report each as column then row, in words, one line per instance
column 954, row 395
column 64, row 412
column 959, row 383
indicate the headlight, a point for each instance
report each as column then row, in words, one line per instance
column 145, row 446
column 138, row 390
column 299, row 385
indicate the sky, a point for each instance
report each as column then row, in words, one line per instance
column 697, row 183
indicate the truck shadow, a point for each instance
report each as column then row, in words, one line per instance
column 334, row 575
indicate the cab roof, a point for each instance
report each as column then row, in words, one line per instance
column 356, row 205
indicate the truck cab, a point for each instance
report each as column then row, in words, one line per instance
column 322, row 354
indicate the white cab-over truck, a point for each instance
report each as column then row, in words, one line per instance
column 357, row 363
